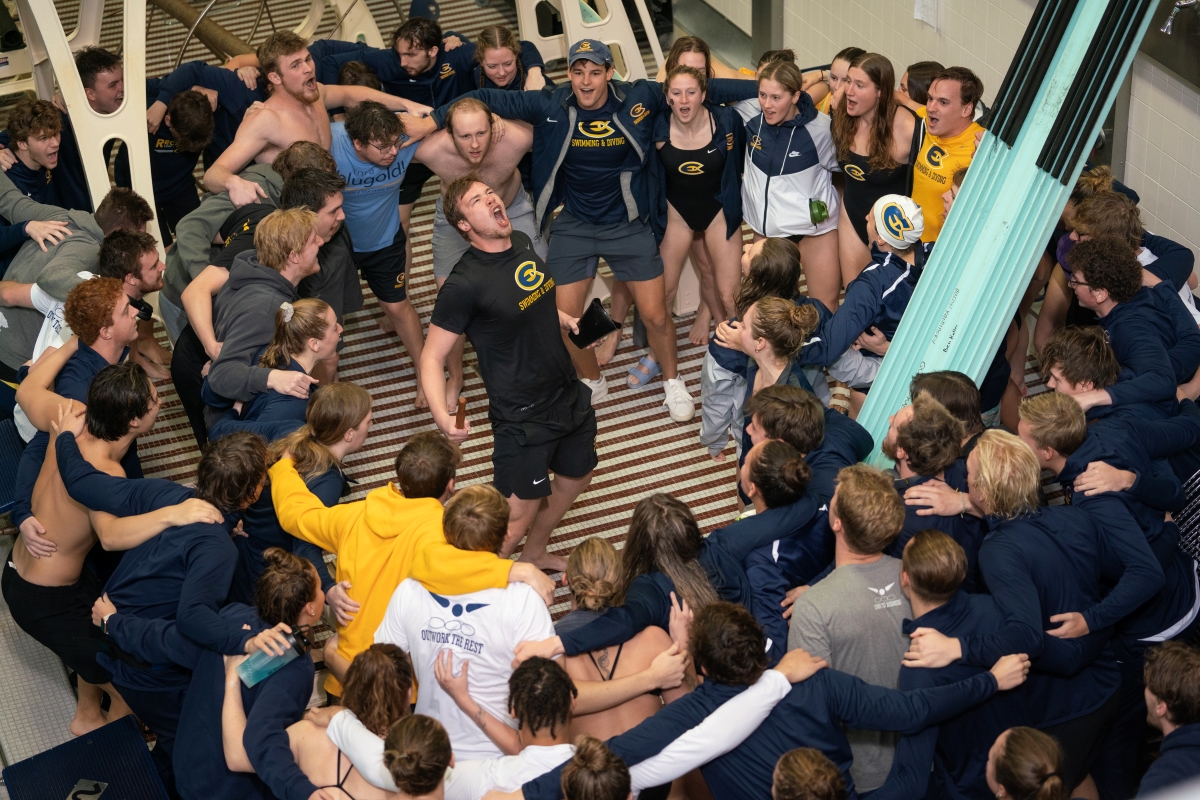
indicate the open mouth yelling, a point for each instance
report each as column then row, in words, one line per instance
column 499, row 216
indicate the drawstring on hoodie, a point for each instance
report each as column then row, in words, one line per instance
column 782, row 161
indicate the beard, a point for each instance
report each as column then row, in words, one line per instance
column 889, row 448
column 303, row 94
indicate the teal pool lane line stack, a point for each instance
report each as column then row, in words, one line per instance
column 1060, row 86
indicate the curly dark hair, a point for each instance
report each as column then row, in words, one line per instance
column 540, row 694
column 1108, row 264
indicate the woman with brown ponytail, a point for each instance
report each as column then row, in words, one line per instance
column 595, row 773
column 1025, row 764
column 338, row 420
column 306, row 333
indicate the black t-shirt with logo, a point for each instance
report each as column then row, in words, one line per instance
column 592, row 169
column 504, row 303
column 237, row 234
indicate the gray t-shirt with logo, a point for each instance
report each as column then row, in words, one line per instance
column 853, row 620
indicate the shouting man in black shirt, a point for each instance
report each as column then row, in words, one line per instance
column 501, row 296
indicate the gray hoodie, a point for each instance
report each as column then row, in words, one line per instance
column 57, row 271
column 244, row 321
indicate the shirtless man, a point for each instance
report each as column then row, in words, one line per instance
column 50, row 597
column 295, row 111
column 464, row 146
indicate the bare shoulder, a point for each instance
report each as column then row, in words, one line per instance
column 644, row 648
column 904, row 122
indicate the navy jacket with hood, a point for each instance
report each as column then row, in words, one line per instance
column 552, row 112
column 1178, row 760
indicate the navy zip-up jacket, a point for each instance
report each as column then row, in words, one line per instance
column 1185, row 353
column 1178, row 761
column 1184, row 463
column 1173, row 261
column 271, row 706
column 876, row 298
column 435, row 87
column 950, row 760
column 648, row 599
column 1043, row 563
column 801, row 551
column 72, row 383
column 730, row 133
column 270, row 414
column 1142, row 334
column 552, row 112
column 101, row 491
column 811, row 715
column 966, row 529
column 845, row 443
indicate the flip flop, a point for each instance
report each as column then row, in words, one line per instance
column 640, row 379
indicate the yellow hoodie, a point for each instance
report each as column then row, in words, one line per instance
column 377, row 540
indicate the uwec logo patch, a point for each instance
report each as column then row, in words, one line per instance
column 446, row 72
column 855, row 171
column 584, row 47
column 895, row 220
column 756, row 142
column 598, row 129
column 527, row 276
column 935, row 156
column 639, row 113
column 691, row 168
column 729, row 141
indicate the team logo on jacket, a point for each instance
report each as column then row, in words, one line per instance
column 729, row 141
column 597, row 129
column 756, row 142
column 446, row 72
column 935, row 156
column 691, row 168
column 528, row 277
column 639, row 112
column 895, row 220
column 855, row 171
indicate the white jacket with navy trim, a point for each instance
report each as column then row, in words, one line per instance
column 786, row 166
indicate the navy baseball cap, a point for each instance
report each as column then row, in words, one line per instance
column 590, row 50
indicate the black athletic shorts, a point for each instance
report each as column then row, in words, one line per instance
column 59, row 617
column 414, row 179
column 383, row 270
column 561, row 439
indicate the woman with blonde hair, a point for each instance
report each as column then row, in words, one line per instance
column 337, row 424
column 306, row 333
column 787, row 189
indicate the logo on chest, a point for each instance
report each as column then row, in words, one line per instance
column 639, row 112
column 855, row 171
column 597, row 129
column 691, row 168
column 935, row 156
column 446, row 72
column 528, row 277
column 755, row 143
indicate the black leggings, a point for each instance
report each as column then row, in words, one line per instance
column 187, row 362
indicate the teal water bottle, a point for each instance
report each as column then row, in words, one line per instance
column 262, row 664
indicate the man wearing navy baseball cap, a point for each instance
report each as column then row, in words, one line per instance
column 593, row 148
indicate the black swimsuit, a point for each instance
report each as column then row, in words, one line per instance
column 863, row 187
column 694, row 180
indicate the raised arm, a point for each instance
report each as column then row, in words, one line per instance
column 1127, row 559
column 337, row 96
column 35, row 394
column 99, row 491
column 126, row 533
column 280, row 703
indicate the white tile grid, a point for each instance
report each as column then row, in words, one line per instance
column 736, row 11
column 36, row 702
column 1163, row 157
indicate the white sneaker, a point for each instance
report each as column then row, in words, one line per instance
column 599, row 388
column 679, row 402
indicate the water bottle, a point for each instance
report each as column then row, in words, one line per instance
column 818, row 212
column 261, row 664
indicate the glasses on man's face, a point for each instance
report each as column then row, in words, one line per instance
column 391, row 147
column 1073, row 282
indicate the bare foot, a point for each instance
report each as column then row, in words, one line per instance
column 719, row 456
column 608, row 348
column 83, row 725
column 386, row 325
column 545, row 561
column 420, row 402
column 156, row 371
column 154, row 351
column 699, row 332
column 453, row 390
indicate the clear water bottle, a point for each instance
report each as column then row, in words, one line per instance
column 261, row 664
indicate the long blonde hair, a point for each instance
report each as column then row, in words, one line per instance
column 295, row 324
column 333, row 410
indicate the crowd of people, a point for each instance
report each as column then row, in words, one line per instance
column 938, row 630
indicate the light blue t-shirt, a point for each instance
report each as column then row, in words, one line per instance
column 372, row 194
